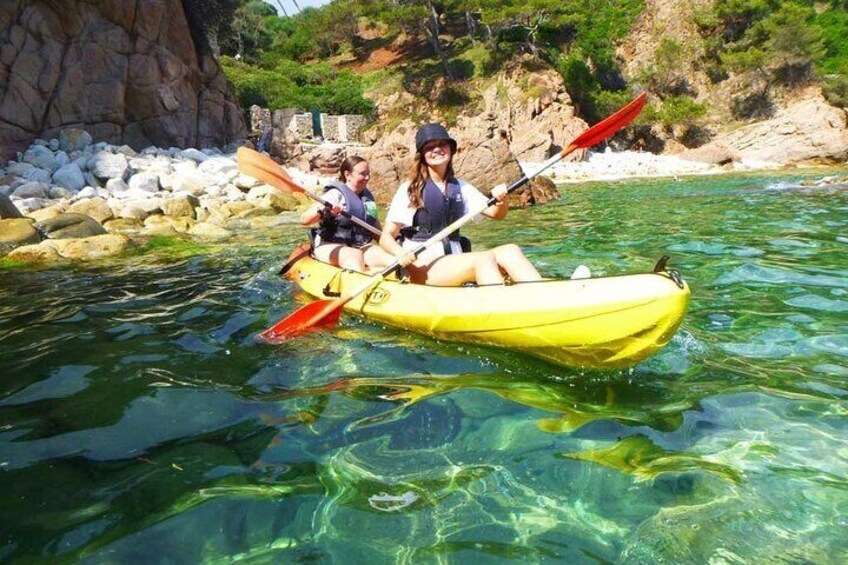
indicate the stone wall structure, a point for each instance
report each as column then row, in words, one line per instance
column 301, row 126
column 330, row 127
column 342, row 128
column 350, row 126
column 128, row 72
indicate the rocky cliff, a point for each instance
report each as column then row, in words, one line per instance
column 800, row 126
column 519, row 115
column 129, row 72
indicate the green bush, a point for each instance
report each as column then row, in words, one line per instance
column 294, row 85
column 836, row 90
column 481, row 60
column 681, row 110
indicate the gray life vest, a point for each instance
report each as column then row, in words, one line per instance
column 338, row 229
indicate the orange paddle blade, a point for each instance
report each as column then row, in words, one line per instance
column 267, row 170
column 309, row 317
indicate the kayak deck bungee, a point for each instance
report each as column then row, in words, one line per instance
column 602, row 322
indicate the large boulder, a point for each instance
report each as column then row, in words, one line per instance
column 135, row 73
column 484, row 159
column 532, row 111
column 16, row 232
column 67, row 226
column 94, row 247
column 808, row 130
column 93, row 207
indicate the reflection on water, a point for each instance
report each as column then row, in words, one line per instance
column 140, row 421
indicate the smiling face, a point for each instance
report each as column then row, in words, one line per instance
column 357, row 178
column 437, row 153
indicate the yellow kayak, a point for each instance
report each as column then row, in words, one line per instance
column 602, row 322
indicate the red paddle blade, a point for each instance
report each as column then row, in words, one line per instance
column 313, row 315
column 609, row 125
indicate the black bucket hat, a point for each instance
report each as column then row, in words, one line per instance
column 433, row 132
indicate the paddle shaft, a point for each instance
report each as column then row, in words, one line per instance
column 374, row 231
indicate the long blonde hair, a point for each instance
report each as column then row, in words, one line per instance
column 418, row 175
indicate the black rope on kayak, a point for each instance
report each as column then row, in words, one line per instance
column 332, row 293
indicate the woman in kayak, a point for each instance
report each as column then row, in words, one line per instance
column 434, row 198
column 338, row 240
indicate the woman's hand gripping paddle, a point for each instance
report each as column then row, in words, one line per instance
column 262, row 167
column 326, row 312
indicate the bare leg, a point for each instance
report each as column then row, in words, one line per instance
column 376, row 256
column 512, row 260
column 453, row 270
column 341, row 256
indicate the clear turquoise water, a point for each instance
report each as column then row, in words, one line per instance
column 141, row 422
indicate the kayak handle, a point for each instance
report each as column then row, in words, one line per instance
column 660, row 267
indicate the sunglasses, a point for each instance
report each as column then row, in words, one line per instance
column 435, row 145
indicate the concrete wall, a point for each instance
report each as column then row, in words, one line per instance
column 350, row 125
column 301, row 125
column 341, row 129
column 330, row 127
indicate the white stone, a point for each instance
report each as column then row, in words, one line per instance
column 147, row 182
column 136, row 194
column 246, row 181
column 86, row 192
column 116, row 186
column 233, row 194
column 219, row 166
column 27, row 205
column 107, row 165
column 214, row 190
column 193, row 182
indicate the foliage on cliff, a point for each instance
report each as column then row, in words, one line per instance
column 303, row 59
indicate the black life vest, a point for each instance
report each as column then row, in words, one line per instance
column 439, row 210
column 338, row 229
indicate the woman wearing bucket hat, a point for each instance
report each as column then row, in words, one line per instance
column 432, row 199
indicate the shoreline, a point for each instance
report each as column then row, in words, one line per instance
column 71, row 199
column 608, row 165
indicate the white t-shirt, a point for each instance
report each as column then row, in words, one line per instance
column 402, row 213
